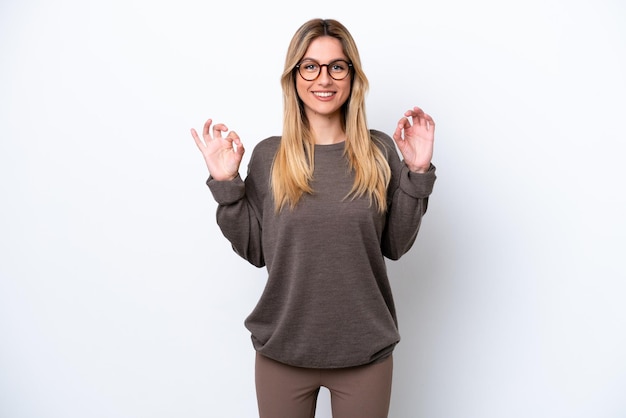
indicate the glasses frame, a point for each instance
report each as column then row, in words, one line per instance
column 299, row 66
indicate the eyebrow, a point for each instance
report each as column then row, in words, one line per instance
column 332, row 60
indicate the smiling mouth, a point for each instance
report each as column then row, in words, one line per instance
column 323, row 93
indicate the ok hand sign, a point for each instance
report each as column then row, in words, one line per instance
column 415, row 139
column 222, row 154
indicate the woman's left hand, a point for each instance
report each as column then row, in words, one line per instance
column 415, row 139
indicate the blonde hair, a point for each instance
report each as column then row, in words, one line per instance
column 292, row 170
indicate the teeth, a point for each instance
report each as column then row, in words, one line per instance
column 323, row 94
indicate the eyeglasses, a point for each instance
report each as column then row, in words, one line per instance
column 337, row 70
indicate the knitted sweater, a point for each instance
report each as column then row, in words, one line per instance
column 327, row 302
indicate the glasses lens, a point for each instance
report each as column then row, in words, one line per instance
column 338, row 69
column 309, row 70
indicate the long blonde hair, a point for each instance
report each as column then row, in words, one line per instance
column 292, row 170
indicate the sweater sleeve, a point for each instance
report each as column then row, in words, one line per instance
column 407, row 201
column 239, row 216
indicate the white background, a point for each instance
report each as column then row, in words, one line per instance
column 119, row 297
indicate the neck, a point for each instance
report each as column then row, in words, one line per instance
column 329, row 140
column 327, row 131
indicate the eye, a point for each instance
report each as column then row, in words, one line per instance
column 338, row 66
column 310, row 66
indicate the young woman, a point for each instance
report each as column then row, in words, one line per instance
column 321, row 207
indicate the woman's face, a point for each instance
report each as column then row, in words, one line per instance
column 324, row 95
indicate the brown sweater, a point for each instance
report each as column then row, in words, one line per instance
column 327, row 302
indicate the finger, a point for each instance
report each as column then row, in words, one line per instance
column 411, row 112
column 218, row 129
column 197, row 139
column 430, row 122
column 239, row 149
column 207, row 128
column 402, row 124
column 232, row 137
column 418, row 116
column 236, row 141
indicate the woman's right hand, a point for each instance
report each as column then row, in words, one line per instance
column 222, row 154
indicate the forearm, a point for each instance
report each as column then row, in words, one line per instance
column 408, row 204
column 238, row 219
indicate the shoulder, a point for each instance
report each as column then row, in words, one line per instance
column 383, row 141
column 262, row 156
column 266, row 145
column 266, row 149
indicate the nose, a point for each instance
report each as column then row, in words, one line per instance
column 324, row 76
